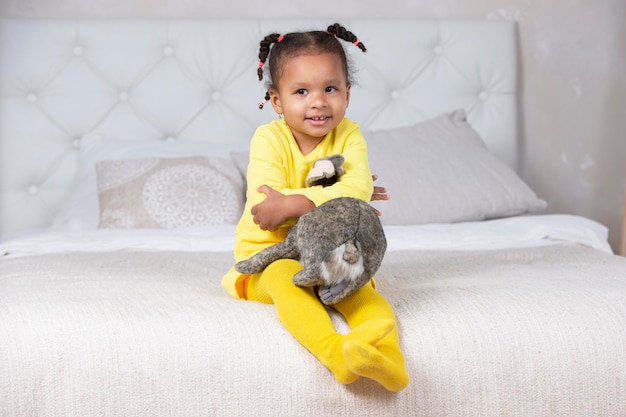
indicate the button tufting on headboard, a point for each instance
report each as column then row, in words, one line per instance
column 178, row 80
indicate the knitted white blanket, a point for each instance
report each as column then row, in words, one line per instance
column 531, row 332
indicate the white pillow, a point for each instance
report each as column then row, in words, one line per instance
column 81, row 210
column 440, row 171
column 169, row 193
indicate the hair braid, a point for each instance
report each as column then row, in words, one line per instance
column 264, row 51
column 343, row 33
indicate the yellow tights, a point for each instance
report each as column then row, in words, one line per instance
column 371, row 349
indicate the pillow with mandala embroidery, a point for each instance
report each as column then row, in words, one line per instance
column 169, row 193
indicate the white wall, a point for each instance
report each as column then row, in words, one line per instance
column 573, row 66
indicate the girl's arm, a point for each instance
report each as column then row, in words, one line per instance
column 277, row 208
column 267, row 177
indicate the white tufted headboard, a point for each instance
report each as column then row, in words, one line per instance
column 195, row 80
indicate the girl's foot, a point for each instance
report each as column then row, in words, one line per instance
column 368, row 334
column 378, row 361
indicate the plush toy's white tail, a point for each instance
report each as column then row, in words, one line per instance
column 343, row 263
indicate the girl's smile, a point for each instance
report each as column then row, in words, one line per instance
column 319, row 121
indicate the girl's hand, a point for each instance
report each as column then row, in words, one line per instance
column 268, row 214
column 277, row 208
column 380, row 193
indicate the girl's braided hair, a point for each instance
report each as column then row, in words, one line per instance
column 290, row 45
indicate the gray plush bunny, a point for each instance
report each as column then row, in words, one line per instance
column 340, row 244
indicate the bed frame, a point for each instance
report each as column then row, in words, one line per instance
column 195, row 80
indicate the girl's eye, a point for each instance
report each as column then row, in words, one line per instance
column 330, row 89
column 301, row 91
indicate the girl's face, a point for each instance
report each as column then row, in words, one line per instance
column 313, row 95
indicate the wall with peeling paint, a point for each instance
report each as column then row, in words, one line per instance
column 572, row 61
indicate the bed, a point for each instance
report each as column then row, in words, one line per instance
column 111, row 258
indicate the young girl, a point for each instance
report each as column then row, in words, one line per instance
column 310, row 89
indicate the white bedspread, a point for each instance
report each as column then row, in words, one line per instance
column 521, row 231
column 519, row 332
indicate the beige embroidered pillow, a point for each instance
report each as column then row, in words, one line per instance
column 169, row 193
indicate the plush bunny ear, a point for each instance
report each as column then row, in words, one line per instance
column 325, row 171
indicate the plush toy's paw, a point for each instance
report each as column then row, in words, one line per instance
column 307, row 278
column 332, row 294
column 325, row 171
column 247, row 267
